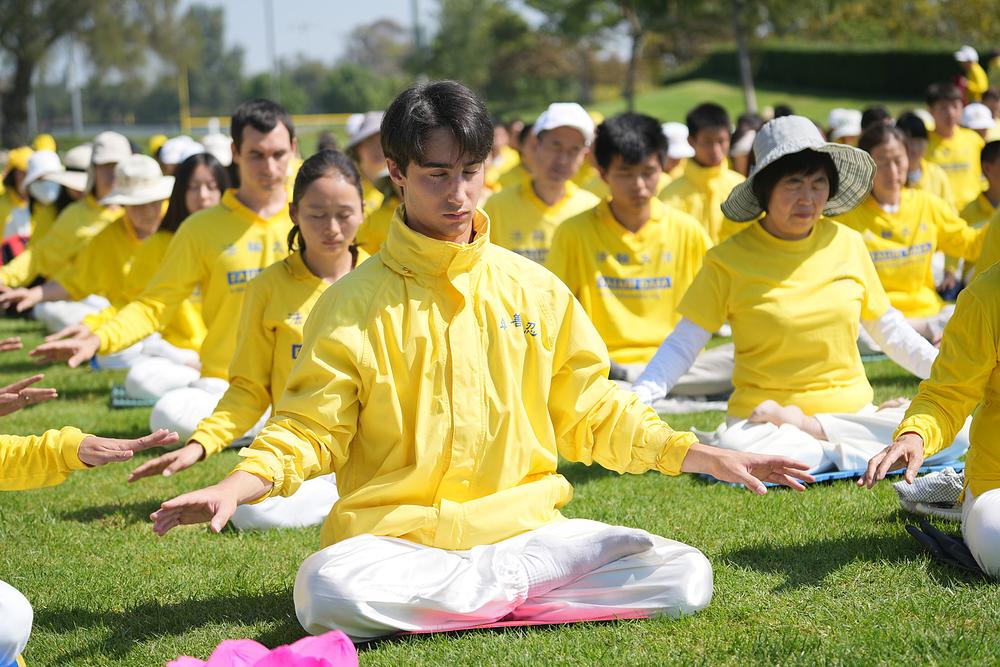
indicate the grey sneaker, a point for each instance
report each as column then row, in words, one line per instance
column 935, row 494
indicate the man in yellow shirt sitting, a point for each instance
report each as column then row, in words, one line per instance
column 921, row 174
column 442, row 380
column 525, row 216
column 707, row 179
column 630, row 259
column 976, row 80
column 982, row 209
column 954, row 148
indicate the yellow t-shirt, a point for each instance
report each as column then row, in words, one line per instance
column 516, row 174
column 504, row 162
column 958, row 155
column 965, row 375
column 375, row 228
column 795, row 308
column 78, row 223
column 629, row 284
column 187, row 328
column 103, row 264
column 442, row 382
column 275, row 308
column 522, row 222
column 934, row 180
column 700, row 191
column 902, row 244
column 222, row 249
column 43, row 218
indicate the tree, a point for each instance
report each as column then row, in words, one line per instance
column 116, row 36
column 383, row 47
column 215, row 71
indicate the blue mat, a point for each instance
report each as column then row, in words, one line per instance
column 958, row 466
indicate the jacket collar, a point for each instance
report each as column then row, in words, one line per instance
column 410, row 253
column 231, row 203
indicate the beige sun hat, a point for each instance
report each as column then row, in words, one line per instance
column 791, row 134
column 138, row 180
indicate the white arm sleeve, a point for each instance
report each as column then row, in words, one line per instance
column 671, row 361
column 902, row 343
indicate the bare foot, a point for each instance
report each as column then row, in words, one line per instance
column 772, row 412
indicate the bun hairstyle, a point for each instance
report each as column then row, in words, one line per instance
column 317, row 166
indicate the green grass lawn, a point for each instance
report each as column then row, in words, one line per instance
column 824, row 577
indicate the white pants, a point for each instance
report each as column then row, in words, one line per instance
column 710, row 374
column 57, row 315
column 852, row 439
column 152, row 347
column 931, row 328
column 370, row 586
column 15, row 623
column 181, row 409
column 981, row 529
column 153, row 376
column 308, row 506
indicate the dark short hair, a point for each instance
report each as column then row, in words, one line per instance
column 317, row 166
column 425, row 107
column 707, row 116
column 633, row 136
column 806, row 163
column 992, row 93
column 875, row 114
column 912, row 125
column 525, row 133
column 177, row 210
column 749, row 121
column 878, row 134
column 260, row 114
column 942, row 91
column 783, row 110
column 990, row 152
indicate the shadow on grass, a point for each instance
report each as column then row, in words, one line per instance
column 578, row 473
column 805, row 565
column 135, row 512
column 151, row 621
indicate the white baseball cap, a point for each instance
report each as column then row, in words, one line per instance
column 220, row 146
column 967, row 54
column 565, row 114
column 677, row 138
column 975, row 116
column 138, row 180
column 178, row 149
column 844, row 123
column 360, row 126
column 41, row 164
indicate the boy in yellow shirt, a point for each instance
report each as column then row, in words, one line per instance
column 965, row 379
column 525, row 216
column 629, row 260
column 956, row 149
column 219, row 249
column 441, row 381
column 707, row 179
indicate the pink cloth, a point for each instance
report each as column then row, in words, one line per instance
column 332, row 649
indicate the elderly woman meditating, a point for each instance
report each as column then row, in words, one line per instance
column 794, row 286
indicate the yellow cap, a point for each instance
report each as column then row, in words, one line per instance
column 155, row 142
column 44, row 142
column 18, row 158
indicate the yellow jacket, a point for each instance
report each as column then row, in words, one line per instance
column 522, row 222
column 219, row 249
column 103, row 264
column 187, row 328
column 79, row 222
column 965, row 374
column 991, row 244
column 901, row 246
column 375, row 228
column 700, row 191
column 442, row 382
column 33, row 461
column 275, row 308
column 977, row 214
column 628, row 283
column 958, row 155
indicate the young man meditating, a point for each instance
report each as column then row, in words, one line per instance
column 441, row 380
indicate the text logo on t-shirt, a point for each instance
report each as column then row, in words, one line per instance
column 516, row 322
column 296, row 348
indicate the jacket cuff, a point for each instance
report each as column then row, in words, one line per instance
column 69, row 440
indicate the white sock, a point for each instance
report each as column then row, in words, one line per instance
column 552, row 561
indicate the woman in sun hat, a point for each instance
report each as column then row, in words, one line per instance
column 101, row 268
column 794, row 286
